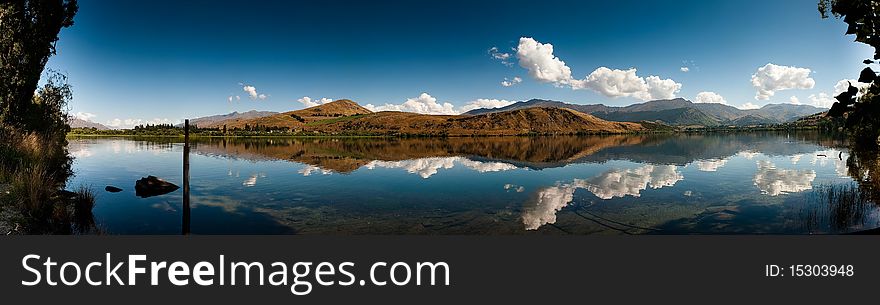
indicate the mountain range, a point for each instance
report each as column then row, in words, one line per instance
column 214, row 119
column 80, row 123
column 345, row 117
column 677, row 111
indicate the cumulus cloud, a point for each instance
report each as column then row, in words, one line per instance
column 427, row 104
column 501, row 56
column 252, row 92
column 773, row 181
column 131, row 123
column 844, row 84
column 85, row 116
column 710, row 97
column 821, row 100
column 484, row 103
column 685, row 69
column 544, row 66
column 511, row 82
column 309, row 102
column 771, row 78
column 424, row 103
column 748, row 106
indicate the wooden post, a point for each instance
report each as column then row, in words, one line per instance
column 185, row 224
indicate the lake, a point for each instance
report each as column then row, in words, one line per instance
column 740, row 183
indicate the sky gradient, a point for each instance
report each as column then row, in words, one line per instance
column 131, row 62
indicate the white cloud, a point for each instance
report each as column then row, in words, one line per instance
column 843, row 85
column 511, row 82
column 771, row 78
column 545, row 67
column 773, row 181
column 309, row 102
column 483, row 103
column 131, row 123
column 502, row 56
column 685, row 69
column 821, row 100
column 710, row 97
column 424, row 103
column 794, row 100
column 85, row 116
column 427, row 104
column 748, row 106
column 252, row 92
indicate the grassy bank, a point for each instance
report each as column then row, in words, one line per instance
column 34, row 169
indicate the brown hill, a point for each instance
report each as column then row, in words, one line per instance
column 297, row 118
column 514, row 122
column 345, row 117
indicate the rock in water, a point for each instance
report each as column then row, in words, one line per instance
column 112, row 189
column 152, row 186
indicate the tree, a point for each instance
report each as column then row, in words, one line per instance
column 28, row 33
column 861, row 114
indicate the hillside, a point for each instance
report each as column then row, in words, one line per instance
column 676, row 116
column 214, row 119
column 79, row 123
column 515, row 122
column 706, row 114
column 298, row 118
column 347, row 117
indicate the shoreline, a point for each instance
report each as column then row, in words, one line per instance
column 297, row 135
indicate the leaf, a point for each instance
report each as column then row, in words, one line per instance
column 868, row 61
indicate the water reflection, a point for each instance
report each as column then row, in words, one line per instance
column 773, row 181
column 721, row 183
column 610, row 184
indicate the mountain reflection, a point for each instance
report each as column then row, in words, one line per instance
column 427, row 156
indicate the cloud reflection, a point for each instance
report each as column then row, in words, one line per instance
column 427, row 167
column 773, row 181
column 711, row 165
column 610, row 184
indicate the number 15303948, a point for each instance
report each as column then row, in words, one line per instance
column 809, row 270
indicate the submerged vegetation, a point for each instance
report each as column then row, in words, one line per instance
column 34, row 161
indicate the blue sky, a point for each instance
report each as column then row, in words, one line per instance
column 165, row 61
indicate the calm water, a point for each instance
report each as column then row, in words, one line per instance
column 653, row 184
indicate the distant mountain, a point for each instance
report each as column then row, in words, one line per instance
column 677, row 111
column 297, row 118
column 212, row 120
column 79, row 123
column 675, row 116
column 535, row 120
column 345, row 117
